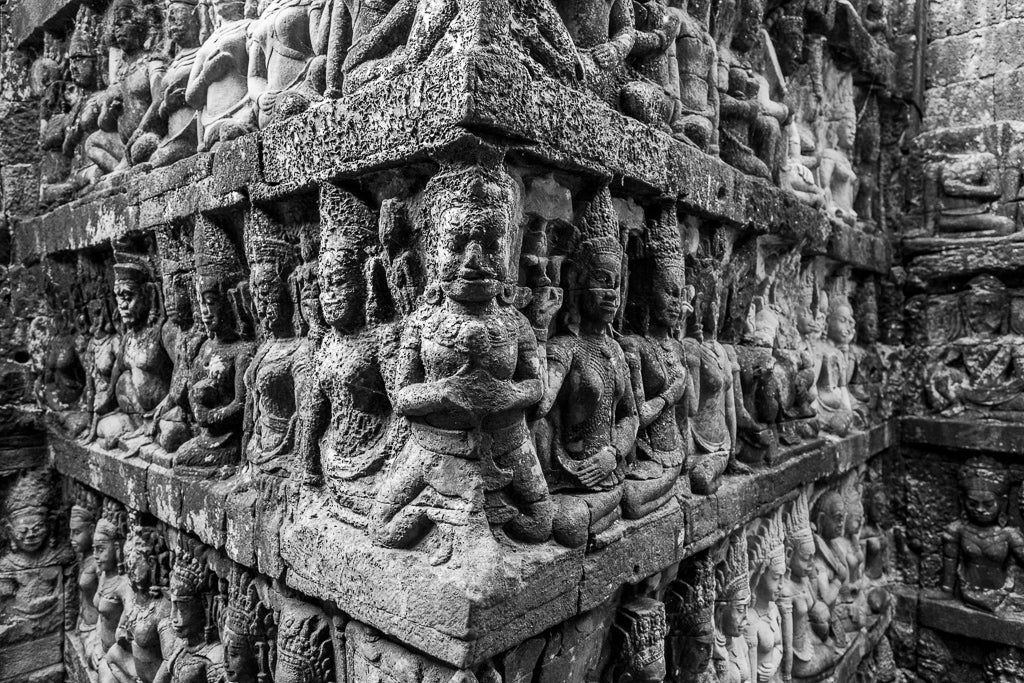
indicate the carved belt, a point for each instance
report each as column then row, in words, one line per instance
column 470, row 444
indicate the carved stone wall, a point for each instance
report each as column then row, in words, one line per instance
column 529, row 341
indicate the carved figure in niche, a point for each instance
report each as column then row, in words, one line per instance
column 100, row 357
column 807, row 649
column 589, row 395
column 766, row 553
column 144, row 636
column 604, row 36
column 836, row 172
column 690, row 606
column 963, row 195
column 869, row 374
column 713, row 423
column 372, row 657
column 134, row 88
column 654, row 97
column 348, row 401
column 796, row 174
column 246, row 643
column 284, row 78
column 217, row 87
column 167, row 131
column 660, row 376
column 270, row 417
column 548, row 207
column 797, row 371
column 63, row 379
column 749, row 126
column 305, row 653
column 64, row 131
column 833, row 403
column 467, row 372
column 868, row 159
column 82, row 520
column 217, row 383
column 31, row 600
column 114, row 595
column 142, row 371
column 983, row 371
column 172, row 418
column 696, row 57
column 732, row 597
column 761, row 378
column 194, row 659
column 643, row 627
column 834, row 582
column 876, row 534
column 980, row 548
column 47, row 85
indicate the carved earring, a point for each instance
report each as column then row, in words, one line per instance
column 433, row 294
column 507, row 295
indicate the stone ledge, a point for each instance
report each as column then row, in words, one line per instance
column 459, row 614
column 553, row 125
column 966, row 258
column 975, row 434
column 952, row 616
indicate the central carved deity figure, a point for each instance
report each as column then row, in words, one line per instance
column 467, row 372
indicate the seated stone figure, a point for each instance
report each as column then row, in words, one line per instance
column 589, row 396
column 964, row 195
column 466, row 374
column 980, row 549
column 217, row 384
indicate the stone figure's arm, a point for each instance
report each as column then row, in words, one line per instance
column 433, row 17
column 626, row 420
column 256, row 75
column 235, row 409
column 248, row 415
column 559, row 360
column 785, row 605
column 378, row 41
column 713, row 108
column 334, row 39
column 622, row 36
column 958, row 188
column 647, row 411
column 1015, row 540
column 208, row 68
column 547, row 38
column 415, row 395
column 529, row 382
column 730, row 403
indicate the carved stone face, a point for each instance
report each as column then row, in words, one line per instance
column 696, row 656
column 104, row 549
column 341, row 289
column 771, row 581
column 129, row 28
column 801, row 564
column 807, row 323
column 841, row 325
column 83, row 70
column 214, row 311
column 228, row 9
column 732, row 618
column 29, row 530
column 832, row 519
column 80, row 533
column 600, row 300
column 748, row 24
column 854, row 519
column 176, row 298
column 270, row 294
column 877, row 508
column 187, row 617
column 139, row 566
column 96, row 315
column 239, row 663
column 667, row 299
column 132, row 302
column 984, row 311
column 982, row 506
column 180, row 23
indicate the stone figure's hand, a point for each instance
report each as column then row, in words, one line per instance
column 597, row 467
column 605, row 55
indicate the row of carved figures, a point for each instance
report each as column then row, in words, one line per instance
column 187, row 75
column 560, row 408
column 783, row 598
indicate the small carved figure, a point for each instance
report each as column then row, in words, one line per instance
column 604, row 36
column 467, row 373
column 589, row 395
column 732, row 597
column 217, row 86
column 697, row 65
column 964, row 195
column 660, row 375
column 246, row 646
column 82, row 521
column 690, row 606
column 760, row 384
column 141, row 376
column 100, row 357
column 749, row 125
column 348, row 400
column 217, row 383
column 305, row 653
column 114, row 595
column 282, row 69
column 63, row 379
column 30, row 571
column 806, row 620
column 143, row 636
column 767, row 565
column 194, row 659
column 833, row 403
column 876, row 534
column 713, row 424
column 643, row 626
column 172, row 418
column 167, row 131
column 833, row 580
column 980, row 549
column 836, row 172
column 133, row 88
